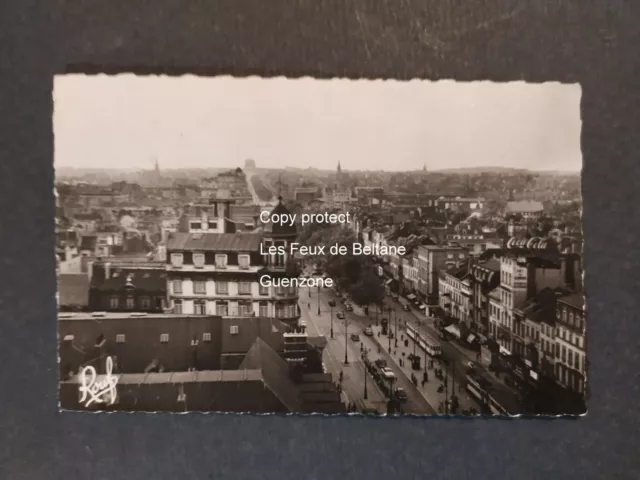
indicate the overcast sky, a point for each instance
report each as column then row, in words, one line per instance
column 127, row 121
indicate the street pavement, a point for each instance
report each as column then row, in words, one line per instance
column 430, row 389
column 333, row 357
column 460, row 355
column 416, row 402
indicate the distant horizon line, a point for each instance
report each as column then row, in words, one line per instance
column 343, row 169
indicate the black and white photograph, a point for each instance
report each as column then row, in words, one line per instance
column 319, row 246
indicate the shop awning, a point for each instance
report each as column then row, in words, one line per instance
column 411, row 296
column 453, row 330
column 471, row 338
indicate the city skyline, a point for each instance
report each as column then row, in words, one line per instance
column 121, row 121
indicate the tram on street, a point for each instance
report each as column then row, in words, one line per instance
column 480, row 389
column 425, row 342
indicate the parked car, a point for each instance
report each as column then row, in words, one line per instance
column 340, row 315
column 348, row 307
column 406, row 307
column 380, row 363
column 332, row 303
column 400, row 394
column 387, row 373
column 355, row 337
column 368, row 332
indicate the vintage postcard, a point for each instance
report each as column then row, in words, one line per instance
column 274, row 245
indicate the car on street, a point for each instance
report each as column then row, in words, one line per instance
column 401, row 394
column 355, row 337
column 387, row 373
column 368, row 332
column 348, row 307
column 340, row 315
column 332, row 303
column 405, row 307
column 380, row 363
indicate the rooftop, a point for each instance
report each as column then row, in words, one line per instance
column 218, row 242
column 524, row 206
column 576, row 300
column 73, row 289
column 93, row 316
column 183, row 377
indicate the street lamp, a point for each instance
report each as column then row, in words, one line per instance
column 331, row 309
column 389, row 329
column 364, row 367
column 346, row 340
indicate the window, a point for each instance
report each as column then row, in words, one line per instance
column 114, row 301
column 222, row 309
column 120, row 338
column 234, row 330
column 212, row 225
column 221, row 261
column 558, row 314
column 263, row 289
column 245, row 309
column 570, row 357
column 199, row 307
column 145, row 303
column 576, row 363
column 206, row 337
column 195, row 225
column 222, row 288
column 164, row 338
column 177, row 286
column 244, row 288
column 263, row 309
column 557, row 350
column 280, row 290
column 564, row 315
column 571, row 319
column 564, row 353
column 198, row 260
column 243, row 261
column 131, row 303
column 177, row 306
column 177, row 259
column 199, row 287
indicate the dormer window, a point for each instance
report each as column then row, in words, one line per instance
column 177, row 259
column 221, row 261
column 198, row 260
column 243, row 261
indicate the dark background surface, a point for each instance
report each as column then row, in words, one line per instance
column 593, row 43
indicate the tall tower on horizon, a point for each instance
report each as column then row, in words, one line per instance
column 156, row 168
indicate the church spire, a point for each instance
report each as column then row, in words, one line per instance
column 339, row 167
column 157, row 166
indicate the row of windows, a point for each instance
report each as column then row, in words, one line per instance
column 222, row 288
column 144, row 303
column 532, row 332
column 241, row 309
column 568, row 317
column 164, row 337
column 199, row 260
column 570, row 337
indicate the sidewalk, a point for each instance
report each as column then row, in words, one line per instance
column 430, row 390
column 470, row 355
